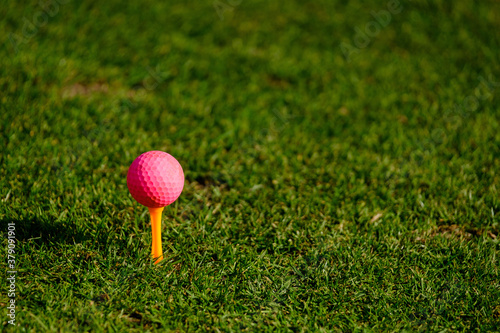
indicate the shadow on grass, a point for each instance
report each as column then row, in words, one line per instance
column 45, row 230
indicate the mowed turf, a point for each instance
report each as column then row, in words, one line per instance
column 323, row 192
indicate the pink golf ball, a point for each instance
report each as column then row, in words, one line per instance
column 155, row 179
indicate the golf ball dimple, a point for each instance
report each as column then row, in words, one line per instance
column 155, row 179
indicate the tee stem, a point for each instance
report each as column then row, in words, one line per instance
column 156, row 249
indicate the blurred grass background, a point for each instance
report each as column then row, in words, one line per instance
column 322, row 193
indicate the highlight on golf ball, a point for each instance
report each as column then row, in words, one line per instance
column 155, row 179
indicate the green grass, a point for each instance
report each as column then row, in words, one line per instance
column 322, row 193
